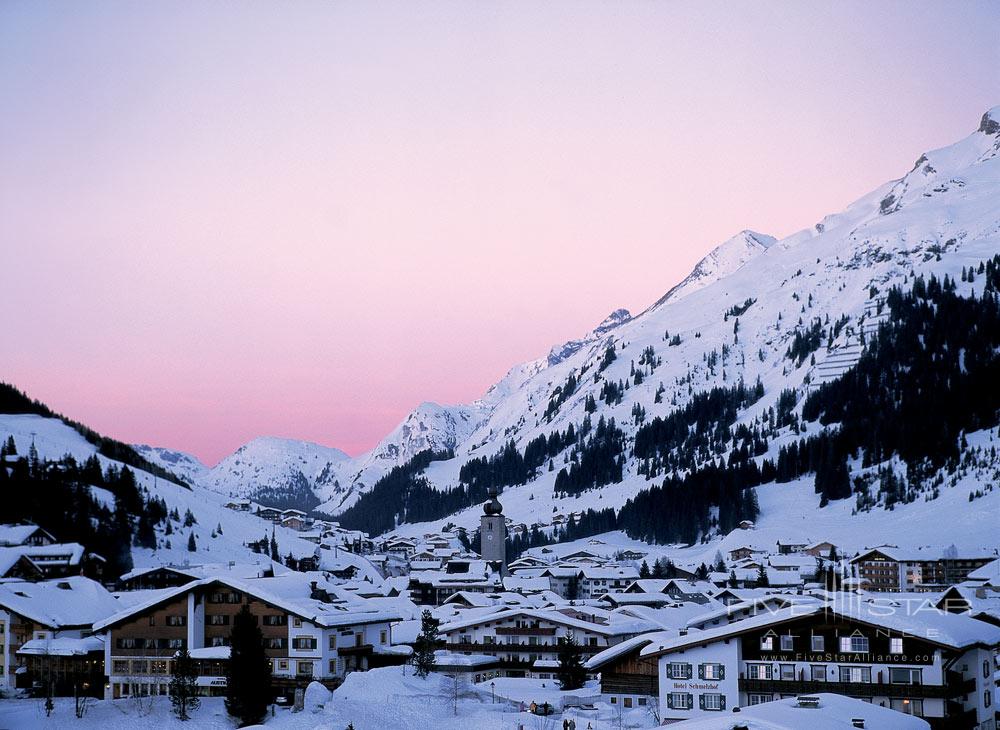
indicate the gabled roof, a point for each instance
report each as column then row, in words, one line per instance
column 951, row 631
column 552, row 616
column 74, row 601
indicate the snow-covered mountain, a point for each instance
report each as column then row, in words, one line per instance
column 732, row 318
column 187, row 467
column 721, row 261
column 280, row 472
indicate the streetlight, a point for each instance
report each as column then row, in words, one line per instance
column 492, row 692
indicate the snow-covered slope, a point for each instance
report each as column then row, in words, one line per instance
column 733, row 318
column 722, row 261
column 184, row 465
column 941, row 216
column 53, row 439
column 282, row 472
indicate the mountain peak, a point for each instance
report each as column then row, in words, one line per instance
column 990, row 123
column 560, row 352
column 721, row 261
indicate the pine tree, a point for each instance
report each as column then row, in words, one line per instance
column 183, row 691
column 248, row 676
column 427, row 641
column 762, row 580
column 644, row 570
column 192, row 545
column 571, row 673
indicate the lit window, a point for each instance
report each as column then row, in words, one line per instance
column 818, row 643
column 766, row 643
column 896, row 645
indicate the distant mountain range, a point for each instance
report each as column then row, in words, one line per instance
column 737, row 316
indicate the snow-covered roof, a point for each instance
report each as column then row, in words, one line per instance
column 553, row 616
column 211, row 652
column 834, row 712
column 63, row 646
column 290, row 592
column 624, row 647
column 12, row 535
column 73, row 601
column 921, row 621
column 444, row 658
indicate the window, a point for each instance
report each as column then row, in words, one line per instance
column 896, row 645
column 758, row 671
column 176, row 620
column 787, row 672
column 119, row 666
column 297, row 622
column 854, row 644
column 787, row 644
column 304, row 643
column 818, row 643
column 817, row 672
column 157, row 667
column 908, row 706
column 283, row 664
column 767, row 643
column 139, row 667
column 904, row 676
column 275, row 642
column 856, row 675
column 679, row 670
column 333, row 666
column 712, row 671
column 176, row 643
column 333, row 641
column 759, row 699
column 219, row 641
column 382, row 637
column 218, row 620
column 274, row 620
column 627, row 701
column 152, row 620
column 712, row 701
column 304, row 668
column 642, row 702
column 679, row 701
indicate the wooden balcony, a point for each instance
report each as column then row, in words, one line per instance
column 853, row 689
column 524, row 631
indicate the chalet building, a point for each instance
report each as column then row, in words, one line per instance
column 49, row 560
column 597, row 581
column 433, row 587
column 45, row 635
column 239, row 505
column 270, row 513
column 307, row 634
column 31, row 535
column 629, row 680
column 520, row 637
column 980, row 602
column 787, row 548
column 743, row 552
column 821, row 549
column 931, row 664
column 894, row 570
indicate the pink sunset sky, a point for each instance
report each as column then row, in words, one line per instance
column 226, row 220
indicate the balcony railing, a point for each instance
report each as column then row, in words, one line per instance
column 854, row 689
column 522, row 647
column 524, row 631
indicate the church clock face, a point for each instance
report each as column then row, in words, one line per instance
column 489, row 537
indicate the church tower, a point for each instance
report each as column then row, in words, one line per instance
column 493, row 534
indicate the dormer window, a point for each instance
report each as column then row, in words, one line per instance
column 767, row 643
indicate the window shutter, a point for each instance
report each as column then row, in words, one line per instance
column 670, row 701
column 722, row 671
column 690, row 700
column 688, row 671
column 701, row 671
column 701, row 702
column 722, row 702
